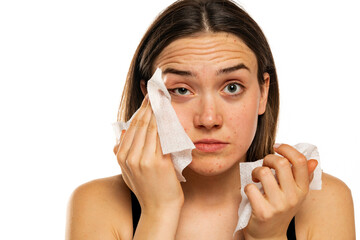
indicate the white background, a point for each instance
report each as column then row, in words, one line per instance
column 63, row 66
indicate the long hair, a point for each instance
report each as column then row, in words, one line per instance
column 188, row 17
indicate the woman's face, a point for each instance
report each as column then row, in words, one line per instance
column 212, row 80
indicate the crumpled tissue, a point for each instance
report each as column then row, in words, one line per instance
column 308, row 150
column 175, row 141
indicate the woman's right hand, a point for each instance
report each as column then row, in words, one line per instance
column 146, row 171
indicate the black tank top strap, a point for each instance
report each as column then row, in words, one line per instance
column 136, row 212
column 291, row 230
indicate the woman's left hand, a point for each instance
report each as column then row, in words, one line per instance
column 283, row 195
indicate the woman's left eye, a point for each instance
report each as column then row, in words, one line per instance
column 233, row 88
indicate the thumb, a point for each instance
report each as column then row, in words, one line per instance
column 312, row 164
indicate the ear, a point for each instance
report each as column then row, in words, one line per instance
column 264, row 93
column 143, row 87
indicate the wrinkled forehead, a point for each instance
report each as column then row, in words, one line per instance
column 211, row 48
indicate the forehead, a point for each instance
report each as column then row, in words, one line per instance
column 207, row 48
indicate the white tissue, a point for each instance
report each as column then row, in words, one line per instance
column 173, row 137
column 308, row 150
column 175, row 141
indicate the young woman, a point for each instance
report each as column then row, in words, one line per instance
column 219, row 70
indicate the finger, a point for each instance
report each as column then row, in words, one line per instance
column 124, row 170
column 150, row 144
column 299, row 164
column 312, row 164
column 127, row 140
column 165, row 158
column 116, row 147
column 136, row 151
column 158, row 145
column 119, row 155
column 257, row 201
column 269, row 183
column 283, row 170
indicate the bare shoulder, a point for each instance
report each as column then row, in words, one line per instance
column 100, row 209
column 327, row 213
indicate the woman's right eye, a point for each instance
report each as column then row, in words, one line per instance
column 179, row 91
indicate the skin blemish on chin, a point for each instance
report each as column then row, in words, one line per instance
column 218, row 165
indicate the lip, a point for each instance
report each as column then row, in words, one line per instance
column 210, row 145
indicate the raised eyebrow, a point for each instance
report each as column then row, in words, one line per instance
column 179, row 72
column 232, row 69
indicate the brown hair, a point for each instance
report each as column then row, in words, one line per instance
column 187, row 17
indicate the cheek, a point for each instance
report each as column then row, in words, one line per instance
column 184, row 115
column 243, row 121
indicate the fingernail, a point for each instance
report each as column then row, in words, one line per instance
column 277, row 145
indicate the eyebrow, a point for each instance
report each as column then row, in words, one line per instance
column 219, row 72
column 179, row 72
column 232, row 69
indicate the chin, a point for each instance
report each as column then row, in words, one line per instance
column 210, row 167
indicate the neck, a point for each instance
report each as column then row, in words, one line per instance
column 212, row 190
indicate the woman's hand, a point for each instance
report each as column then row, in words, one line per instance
column 146, row 171
column 283, row 195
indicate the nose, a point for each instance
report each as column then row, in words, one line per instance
column 208, row 115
